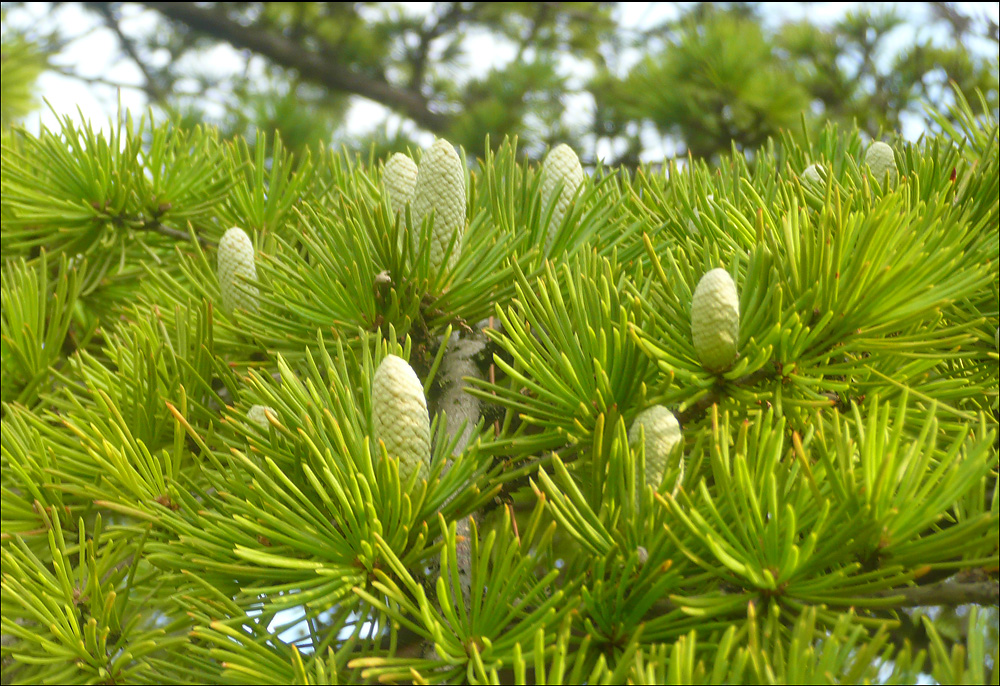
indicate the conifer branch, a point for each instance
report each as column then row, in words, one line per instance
column 246, row 441
column 154, row 225
column 699, row 408
column 157, row 227
column 946, row 593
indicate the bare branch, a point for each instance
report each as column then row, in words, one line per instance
column 447, row 21
column 176, row 234
column 152, row 89
column 95, row 80
column 312, row 67
column 946, row 593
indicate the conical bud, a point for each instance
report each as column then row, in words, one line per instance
column 399, row 179
column 399, row 416
column 715, row 320
column 662, row 432
column 463, row 558
column 561, row 166
column 237, row 271
column 440, row 188
column 812, row 175
column 642, row 554
column 691, row 226
column 256, row 415
column 880, row 159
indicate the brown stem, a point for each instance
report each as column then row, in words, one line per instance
column 157, row 227
column 699, row 408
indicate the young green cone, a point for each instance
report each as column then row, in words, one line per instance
column 256, row 414
column 440, row 188
column 715, row 320
column 812, row 174
column 880, row 159
column 662, row 432
column 691, row 226
column 399, row 416
column 237, row 271
column 463, row 558
column 399, row 180
column 561, row 166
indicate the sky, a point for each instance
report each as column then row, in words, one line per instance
column 95, row 54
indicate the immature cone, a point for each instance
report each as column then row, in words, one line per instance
column 642, row 554
column 692, row 227
column 715, row 320
column 561, row 166
column 812, row 175
column 400, row 179
column 463, row 556
column 440, row 188
column 880, row 159
column 399, row 416
column 256, row 415
column 237, row 271
column 662, row 433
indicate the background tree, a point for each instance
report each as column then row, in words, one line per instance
column 20, row 65
column 717, row 74
column 720, row 79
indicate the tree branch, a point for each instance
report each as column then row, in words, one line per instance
column 699, row 408
column 152, row 89
column 312, row 67
column 532, row 31
column 176, row 234
column 95, row 80
column 427, row 36
column 958, row 22
column 153, row 225
column 946, row 593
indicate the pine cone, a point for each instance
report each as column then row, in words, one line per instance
column 715, row 320
column 237, row 271
column 400, row 180
column 662, row 433
column 880, row 160
column 399, row 416
column 256, row 415
column 561, row 166
column 440, row 188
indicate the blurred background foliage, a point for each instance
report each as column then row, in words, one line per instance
column 711, row 76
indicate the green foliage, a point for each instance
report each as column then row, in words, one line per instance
column 721, row 76
column 920, row 71
column 841, row 472
column 36, row 319
column 21, row 63
column 720, row 81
